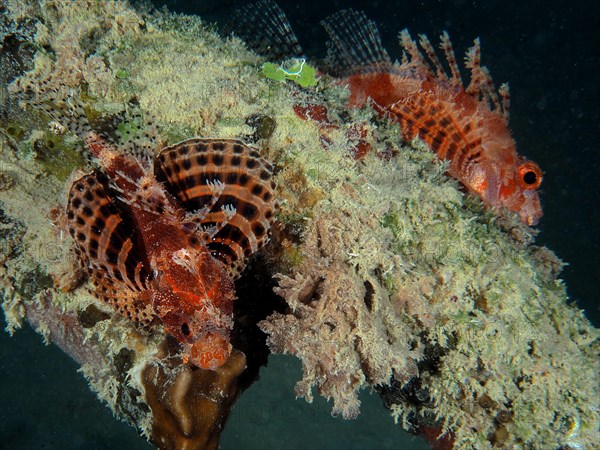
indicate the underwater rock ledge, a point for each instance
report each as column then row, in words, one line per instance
column 392, row 278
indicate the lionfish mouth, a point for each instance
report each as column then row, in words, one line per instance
column 209, row 352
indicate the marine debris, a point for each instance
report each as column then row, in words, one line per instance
column 389, row 276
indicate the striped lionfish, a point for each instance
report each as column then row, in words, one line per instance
column 163, row 237
column 467, row 126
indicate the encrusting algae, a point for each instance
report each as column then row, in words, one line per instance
column 392, row 278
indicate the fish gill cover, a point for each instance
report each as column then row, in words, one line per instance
column 387, row 276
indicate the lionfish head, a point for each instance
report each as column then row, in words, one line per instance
column 526, row 201
column 508, row 185
column 203, row 334
column 195, row 299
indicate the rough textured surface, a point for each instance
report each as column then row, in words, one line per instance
column 336, row 318
column 461, row 320
column 393, row 279
column 190, row 405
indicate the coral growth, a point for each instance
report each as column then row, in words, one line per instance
column 399, row 287
column 339, row 317
column 190, row 406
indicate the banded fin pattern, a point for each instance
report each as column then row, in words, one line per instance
column 131, row 304
column 450, row 137
column 245, row 209
column 109, row 249
column 356, row 48
column 355, row 45
column 466, row 124
column 266, row 30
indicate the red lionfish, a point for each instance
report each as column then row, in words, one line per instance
column 163, row 237
column 467, row 126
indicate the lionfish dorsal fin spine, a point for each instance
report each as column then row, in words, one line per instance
column 432, row 55
column 446, row 46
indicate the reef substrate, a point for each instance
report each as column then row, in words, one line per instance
column 391, row 277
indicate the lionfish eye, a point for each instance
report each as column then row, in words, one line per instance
column 530, row 175
column 185, row 329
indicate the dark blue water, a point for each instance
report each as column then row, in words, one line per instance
column 547, row 50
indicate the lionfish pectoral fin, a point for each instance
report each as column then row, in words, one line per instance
column 103, row 237
column 236, row 268
column 195, row 218
column 120, row 297
column 355, row 45
column 440, row 130
column 266, row 30
column 240, row 219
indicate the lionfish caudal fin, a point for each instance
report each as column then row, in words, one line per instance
column 139, row 135
column 228, row 188
column 481, row 84
column 109, row 249
column 266, row 30
column 355, row 45
column 138, row 140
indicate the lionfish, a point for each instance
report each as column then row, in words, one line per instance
column 162, row 237
column 466, row 126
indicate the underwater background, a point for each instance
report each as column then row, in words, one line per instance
column 548, row 52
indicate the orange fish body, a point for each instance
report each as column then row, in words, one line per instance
column 162, row 240
column 467, row 126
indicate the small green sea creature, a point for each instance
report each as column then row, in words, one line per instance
column 122, row 74
column 299, row 72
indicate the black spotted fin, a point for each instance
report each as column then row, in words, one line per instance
column 231, row 187
column 139, row 135
column 108, row 248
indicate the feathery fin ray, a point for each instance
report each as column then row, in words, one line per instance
column 266, row 30
column 355, row 45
